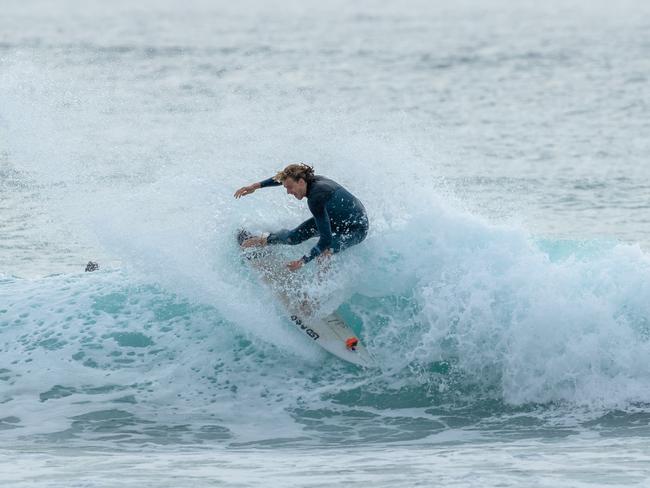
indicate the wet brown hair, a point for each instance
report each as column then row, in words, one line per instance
column 295, row 171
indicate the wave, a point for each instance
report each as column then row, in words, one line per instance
column 457, row 312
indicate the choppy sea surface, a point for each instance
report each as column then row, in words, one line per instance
column 502, row 150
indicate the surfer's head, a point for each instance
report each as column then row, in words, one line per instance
column 295, row 179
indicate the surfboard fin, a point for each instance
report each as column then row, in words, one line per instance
column 351, row 343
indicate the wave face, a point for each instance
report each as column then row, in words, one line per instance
column 468, row 322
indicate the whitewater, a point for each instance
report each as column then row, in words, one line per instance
column 501, row 151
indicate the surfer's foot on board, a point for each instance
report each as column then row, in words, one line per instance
column 254, row 242
column 246, row 239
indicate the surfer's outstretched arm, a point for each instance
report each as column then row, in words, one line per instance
column 247, row 190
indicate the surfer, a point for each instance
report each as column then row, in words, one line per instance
column 338, row 217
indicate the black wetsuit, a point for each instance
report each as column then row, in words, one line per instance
column 339, row 218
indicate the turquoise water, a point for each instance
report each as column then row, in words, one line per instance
column 501, row 151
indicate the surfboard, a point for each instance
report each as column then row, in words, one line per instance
column 330, row 332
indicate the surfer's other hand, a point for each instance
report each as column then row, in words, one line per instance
column 254, row 242
column 295, row 265
column 245, row 190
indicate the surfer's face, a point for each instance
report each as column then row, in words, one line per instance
column 296, row 188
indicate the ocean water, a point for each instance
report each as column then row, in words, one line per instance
column 502, row 150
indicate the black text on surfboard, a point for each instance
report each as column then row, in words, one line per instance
column 307, row 330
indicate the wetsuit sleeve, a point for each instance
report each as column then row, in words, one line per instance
column 322, row 219
column 280, row 237
column 269, row 182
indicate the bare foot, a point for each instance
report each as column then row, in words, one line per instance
column 254, row 242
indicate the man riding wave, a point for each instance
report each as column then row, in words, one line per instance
column 339, row 219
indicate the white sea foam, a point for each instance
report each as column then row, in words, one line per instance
column 500, row 151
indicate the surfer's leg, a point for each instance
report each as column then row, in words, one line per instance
column 304, row 231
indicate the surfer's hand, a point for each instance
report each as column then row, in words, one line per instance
column 246, row 190
column 295, row 265
column 254, row 242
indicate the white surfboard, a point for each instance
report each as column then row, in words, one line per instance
column 335, row 336
column 330, row 332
